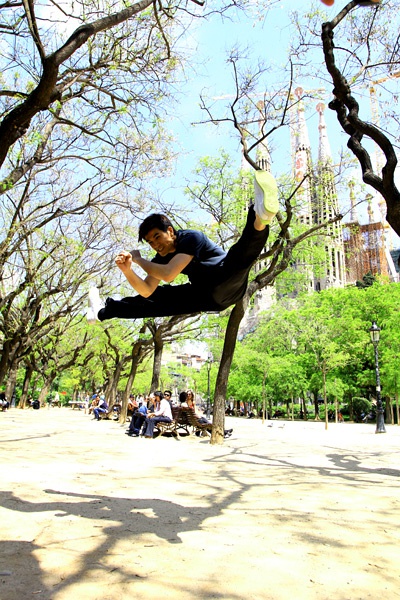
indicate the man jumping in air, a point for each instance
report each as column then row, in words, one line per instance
column 218, row 279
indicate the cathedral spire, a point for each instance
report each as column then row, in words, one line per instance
column 303, row 162
column 263, row 155
column 324, row 152
column 303, row 141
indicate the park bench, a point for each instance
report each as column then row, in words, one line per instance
column 179, row 421
column 74, row 403
column 106, row 415
column 195, row 422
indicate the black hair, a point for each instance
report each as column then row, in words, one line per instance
column 182, row 397
column 154, row 221
column 168, row 392
column 159, row 394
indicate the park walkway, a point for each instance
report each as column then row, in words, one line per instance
column 284, row 512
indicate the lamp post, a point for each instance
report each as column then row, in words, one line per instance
column 380, row 419
column 209, row 361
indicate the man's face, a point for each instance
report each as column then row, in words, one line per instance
column 163, row 242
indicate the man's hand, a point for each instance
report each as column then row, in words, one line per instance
column 123, row 260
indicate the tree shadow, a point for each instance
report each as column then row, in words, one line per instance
column 345, row 464
column 130, row 518
column 157, row 519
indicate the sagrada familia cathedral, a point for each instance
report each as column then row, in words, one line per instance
column 349, row 249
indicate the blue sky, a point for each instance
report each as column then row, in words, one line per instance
column 210, row 43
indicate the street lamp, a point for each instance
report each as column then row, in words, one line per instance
column 380, row 419
column 210, row 359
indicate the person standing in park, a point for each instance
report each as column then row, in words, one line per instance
column 217, row 279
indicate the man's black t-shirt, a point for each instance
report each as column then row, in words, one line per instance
column 206, row 256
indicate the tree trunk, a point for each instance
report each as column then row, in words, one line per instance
column 316, row 406
column 351, row 411
column 25, row 386
column 304, row 404
column 236, row 316
column 287, row 402
column 325, row 399
column 263, row 396
column 390, row 416
column 45, row 390
column 111, row 389
column 11, row 381
column 347, row 112
column 4, row 361
column 158, row 352
column 138, row 353
column 10, row 350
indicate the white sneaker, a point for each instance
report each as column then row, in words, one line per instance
column 266, row 202
column 94, row 305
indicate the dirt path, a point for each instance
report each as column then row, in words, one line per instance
column 281, row 512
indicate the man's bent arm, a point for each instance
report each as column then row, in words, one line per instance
column 166, row 272
column 144, row 287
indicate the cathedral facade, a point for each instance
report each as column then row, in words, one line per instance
column 344, row 250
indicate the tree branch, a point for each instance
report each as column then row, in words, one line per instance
column 17, row 121
column 347, row 111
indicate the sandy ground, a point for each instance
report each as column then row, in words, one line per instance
column 288, row 511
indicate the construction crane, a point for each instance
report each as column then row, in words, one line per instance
column 373, row 97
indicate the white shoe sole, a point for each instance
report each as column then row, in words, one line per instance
column 266, row 199
column 95, row 304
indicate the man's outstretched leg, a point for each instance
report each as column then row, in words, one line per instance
column 166, row 301
column 233, row 275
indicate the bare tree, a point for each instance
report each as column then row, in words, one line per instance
column 42, row 283
column 256, row 122
column 346, row 106
column 61, row 70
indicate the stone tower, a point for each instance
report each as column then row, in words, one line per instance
column 333, row 271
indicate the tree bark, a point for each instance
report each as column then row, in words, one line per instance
column 25, row 386
column 11, row 381
column 16, row 122
column 45, row 390
column 158, row 352
column 139, row 351
column 347, row 112
column 236, row 316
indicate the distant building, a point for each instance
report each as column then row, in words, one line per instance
column 348, row 251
